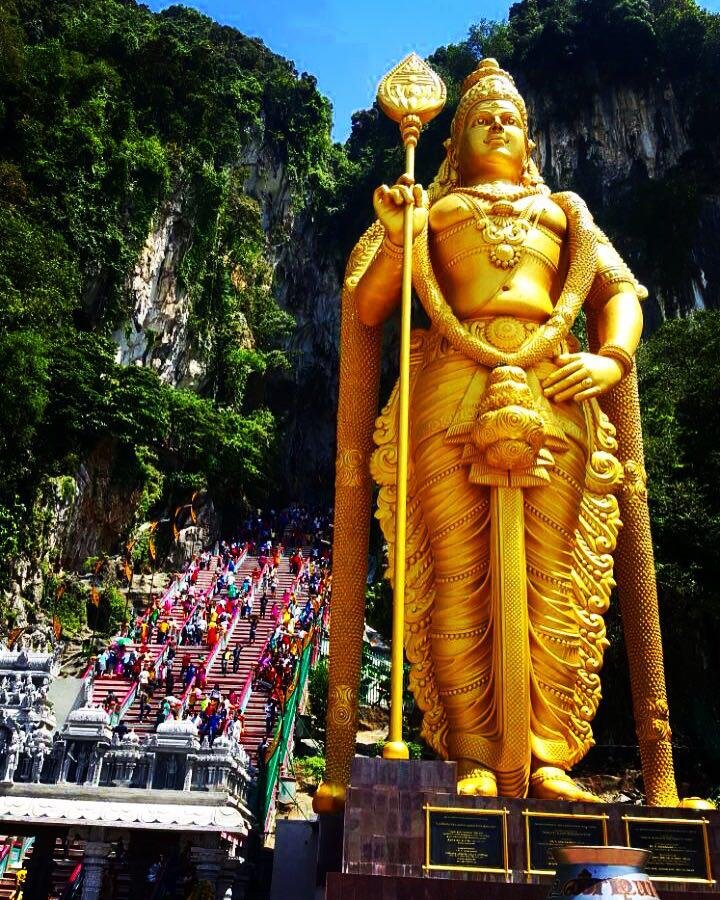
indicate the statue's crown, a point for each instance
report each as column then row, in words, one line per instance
column 487, row 82
column 486, row 68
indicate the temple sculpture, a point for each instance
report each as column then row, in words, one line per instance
column 525, row 468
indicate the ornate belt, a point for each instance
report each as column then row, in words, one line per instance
column 507, row 333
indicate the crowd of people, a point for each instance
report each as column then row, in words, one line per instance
column 213, row 712
column 201, row 634
column 276, row 669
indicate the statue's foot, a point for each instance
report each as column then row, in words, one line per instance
column 550, row 783
column 329, row 798
column 475, row 780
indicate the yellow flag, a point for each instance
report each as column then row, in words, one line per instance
column 95, row 596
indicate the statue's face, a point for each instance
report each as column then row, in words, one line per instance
column 492, row 144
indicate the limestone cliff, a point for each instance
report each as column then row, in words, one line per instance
column 305, row 284
column 619, row 150
column 156, row 333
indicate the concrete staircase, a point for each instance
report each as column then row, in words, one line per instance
column 119, row 684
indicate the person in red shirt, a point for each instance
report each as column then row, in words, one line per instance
column 212, row 636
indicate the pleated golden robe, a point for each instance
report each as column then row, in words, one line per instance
column 507, row 577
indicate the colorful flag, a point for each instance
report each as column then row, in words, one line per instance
column 57, row 628
column 94, row 596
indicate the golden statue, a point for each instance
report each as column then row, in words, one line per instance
column 517, row 477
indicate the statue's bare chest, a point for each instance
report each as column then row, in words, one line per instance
column 482, row 243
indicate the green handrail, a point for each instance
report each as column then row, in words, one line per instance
column 282, row 736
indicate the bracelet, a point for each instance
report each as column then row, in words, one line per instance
column 621, row 356
column 391, row 249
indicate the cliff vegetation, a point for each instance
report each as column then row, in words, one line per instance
column 114, row 121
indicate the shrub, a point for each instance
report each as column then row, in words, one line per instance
column 310, row 768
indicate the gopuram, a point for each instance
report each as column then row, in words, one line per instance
column 512, row 496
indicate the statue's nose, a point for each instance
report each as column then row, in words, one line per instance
column 497, row 124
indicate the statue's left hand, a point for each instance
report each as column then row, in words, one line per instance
column 581, row 376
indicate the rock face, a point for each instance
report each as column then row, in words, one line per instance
column 83, row 514
column 78, row 516
column 619, row 134
column 307, row 286
column 157, row 333
column 619, row 142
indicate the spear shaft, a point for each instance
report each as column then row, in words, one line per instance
column 411, row 95
column 395, row 747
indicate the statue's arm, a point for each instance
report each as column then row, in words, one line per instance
column 378, row 291
column 614, row 302
column 619, row 320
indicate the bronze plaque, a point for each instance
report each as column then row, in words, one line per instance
column 545, row 831
column 470, row 840
column 679, row 849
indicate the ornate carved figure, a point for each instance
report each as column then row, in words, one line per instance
column 515, row 470
column 13, row 748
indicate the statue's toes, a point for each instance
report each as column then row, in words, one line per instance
column 480, row 784
column 549, row 783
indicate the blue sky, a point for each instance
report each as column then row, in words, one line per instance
column 348, row 46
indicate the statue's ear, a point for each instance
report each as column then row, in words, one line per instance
column 447, row 177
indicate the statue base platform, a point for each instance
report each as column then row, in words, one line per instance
column 405, row 822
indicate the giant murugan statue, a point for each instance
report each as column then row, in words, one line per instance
column 525, row 454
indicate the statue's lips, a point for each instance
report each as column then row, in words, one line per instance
column 496, row 139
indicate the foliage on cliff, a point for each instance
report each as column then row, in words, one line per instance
column 106, row 111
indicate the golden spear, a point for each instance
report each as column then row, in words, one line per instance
column 411, row 94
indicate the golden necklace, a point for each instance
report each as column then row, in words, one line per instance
column 501, row 190
column 503, row 230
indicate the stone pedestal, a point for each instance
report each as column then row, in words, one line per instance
column 386, row 837
column 294, row 860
